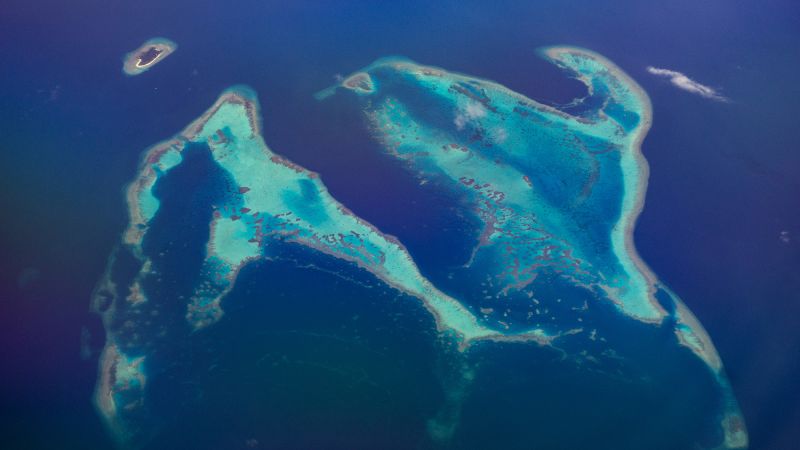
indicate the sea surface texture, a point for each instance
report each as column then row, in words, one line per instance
column 424, row 240
column 246, row 306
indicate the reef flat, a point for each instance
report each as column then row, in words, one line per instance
column 267, row 200
column 147, row 55
column 553, row 194
column 278, row 199
column 557, row 191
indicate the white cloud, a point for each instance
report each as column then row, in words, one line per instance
column 460, row 121
column 681, row 81
column 500, row 135
column 472, row 112
column 475, row 110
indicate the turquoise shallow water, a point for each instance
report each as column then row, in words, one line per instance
column 718, row 227
column 556, row 271
column 277, row 371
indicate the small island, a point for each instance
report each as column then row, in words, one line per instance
column 147, row 55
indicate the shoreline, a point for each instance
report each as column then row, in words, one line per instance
column 628, row 218
column 731, row 421
column 146, row 176
column 131, row 61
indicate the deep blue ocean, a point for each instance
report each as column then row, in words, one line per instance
column 721, row 225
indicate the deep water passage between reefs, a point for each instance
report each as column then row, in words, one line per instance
column 552, row 281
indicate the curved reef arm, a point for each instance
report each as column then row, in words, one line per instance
column 272, row 199
column 557, row 191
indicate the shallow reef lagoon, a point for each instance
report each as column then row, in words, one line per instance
column 315, row 243
column 552, row 196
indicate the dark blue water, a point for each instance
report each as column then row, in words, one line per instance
column 303, row 358
column 723, row 183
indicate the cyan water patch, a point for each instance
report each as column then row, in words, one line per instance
column 557, row 192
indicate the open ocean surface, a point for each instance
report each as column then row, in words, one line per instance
column 721, row 224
